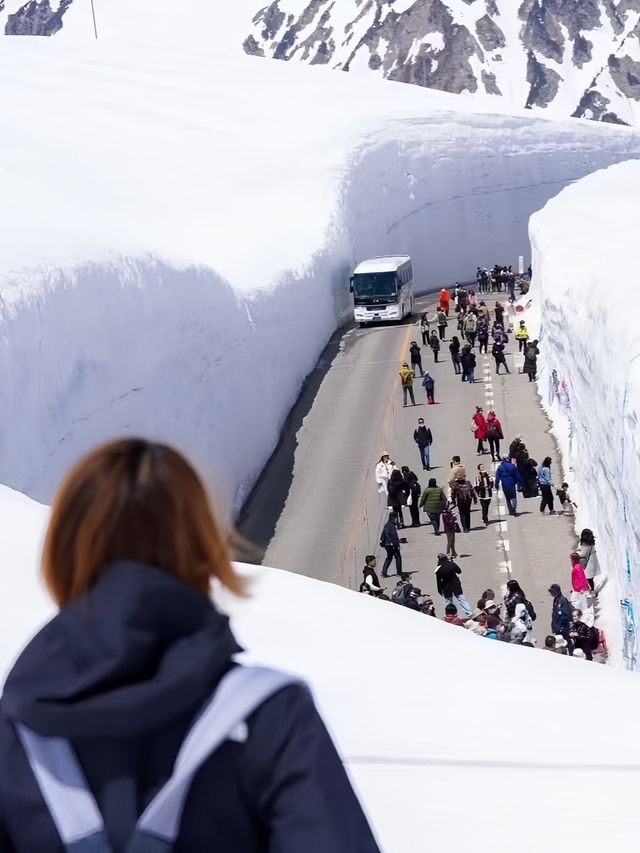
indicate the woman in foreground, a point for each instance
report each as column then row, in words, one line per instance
column 106, row 693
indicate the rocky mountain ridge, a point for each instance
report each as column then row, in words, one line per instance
column 569, row 57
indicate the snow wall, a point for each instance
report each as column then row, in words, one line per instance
column 585, row 260
column 178, row 230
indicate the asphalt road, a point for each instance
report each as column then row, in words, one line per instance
column 317, row 511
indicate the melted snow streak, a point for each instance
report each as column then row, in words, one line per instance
column 585, row 290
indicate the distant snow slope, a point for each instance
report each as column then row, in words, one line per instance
column 178, row 230
column 585, row 260
column 402, row 695
column 570, row 57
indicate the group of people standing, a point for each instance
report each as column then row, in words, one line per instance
column 448, row 508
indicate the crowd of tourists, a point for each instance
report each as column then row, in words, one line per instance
column 447, row 507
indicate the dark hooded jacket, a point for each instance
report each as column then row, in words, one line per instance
column 121, row 673
column 448, row 577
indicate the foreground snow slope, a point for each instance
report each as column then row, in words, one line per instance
column 439, row 728
column 585, row 258
column 178, row 229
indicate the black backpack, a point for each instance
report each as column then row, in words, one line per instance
column 401, row 593
column 593, row 638
column 383, row 538
column 532, row 612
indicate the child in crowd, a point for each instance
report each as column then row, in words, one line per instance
column 565, row 499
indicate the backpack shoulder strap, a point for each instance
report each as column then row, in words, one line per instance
column 238, row 694
column 65, row 791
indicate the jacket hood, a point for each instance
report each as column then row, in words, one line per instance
column 140, row 649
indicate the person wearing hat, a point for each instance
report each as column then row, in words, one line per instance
column 561, row 615
column 383, row 472
column 424, row 439
column 406, row 380
column 449, row 586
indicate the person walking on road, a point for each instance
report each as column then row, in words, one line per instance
column 494, row 435
column 406, row 380
column 457, row 471
column 434, row 502
column 531, row 353
column 497, row 351
column 442, row 323
column 484, row 490
column 415, row 354
column 449, row 585
column 586, row 551
column 499, row 313
column 424, row 439
column 429, row 385
column 469, row 328
column 424, row 329
column 479, row 427
column 390, row 541
column 384, row 468
column 450, row 527
column 444, row 301
column 412, row 488
column 522, row 335
column 546, row 485
column 398, row 495
column 434, row 343
column 482, row 333
column 464, row 495
column 468, row 361
column 561, row 615
column 509, row 478
column 454, row 349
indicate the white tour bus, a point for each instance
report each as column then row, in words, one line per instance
column 382, row 290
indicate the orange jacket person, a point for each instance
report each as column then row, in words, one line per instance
column 443, row 302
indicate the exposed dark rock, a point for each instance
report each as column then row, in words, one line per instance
column 626, row 75
column 489, row 83
column 251, row 46
column 582, row 51
column 489, row 33
column 542, row 33
column 324, row 53
column 272, row 19
column 544, row 83
column 36, row 18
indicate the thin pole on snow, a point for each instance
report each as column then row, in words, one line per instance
column 93, row 15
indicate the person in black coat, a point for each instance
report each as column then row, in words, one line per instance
column 423, row 437
column 449, row 585
column 561, row 615
column 415, row 354
column 468, row 362
column 390, row 541
column 398, row 494
column 126, row 666
column 415, row 493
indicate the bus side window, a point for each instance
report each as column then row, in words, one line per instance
column 410, row 272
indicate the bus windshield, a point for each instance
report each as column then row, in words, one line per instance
column 375, row 284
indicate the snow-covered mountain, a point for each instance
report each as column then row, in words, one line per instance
column 571, row 57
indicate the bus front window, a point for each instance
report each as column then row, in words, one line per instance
column 374, row 285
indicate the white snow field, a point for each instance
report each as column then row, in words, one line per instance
column 585, row 292
column 445, row 734
column 177, row 229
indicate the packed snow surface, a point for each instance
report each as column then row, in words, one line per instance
column 585, row 261
column 178, row 230
column 440, row 729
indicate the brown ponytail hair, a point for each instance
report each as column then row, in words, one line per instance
column 133, row 499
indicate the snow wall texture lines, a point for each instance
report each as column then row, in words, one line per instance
column 585, row 260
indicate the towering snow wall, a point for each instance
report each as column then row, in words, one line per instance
column 585, row 260
column 177, row 232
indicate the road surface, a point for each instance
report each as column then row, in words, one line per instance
column 317, row 510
